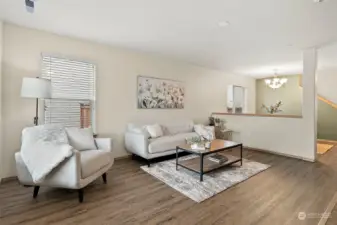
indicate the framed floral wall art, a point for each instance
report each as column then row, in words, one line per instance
column 156, row 93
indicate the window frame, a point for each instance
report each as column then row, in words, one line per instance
column 93, row 101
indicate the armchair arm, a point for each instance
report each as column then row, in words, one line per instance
column 104, row 143
column 66, row 175
column 136, row 143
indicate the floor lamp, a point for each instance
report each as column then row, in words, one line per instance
column 37, row 88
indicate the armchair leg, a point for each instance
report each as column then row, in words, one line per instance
column 36, row 191
column 80, row 195
column 104, row 178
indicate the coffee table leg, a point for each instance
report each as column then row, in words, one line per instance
column 176, row 158
column 201, row 168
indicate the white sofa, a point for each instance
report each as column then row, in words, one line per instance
column 138, row 140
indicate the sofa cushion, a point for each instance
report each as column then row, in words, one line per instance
column 81, row 139
column 167, row 143
column 94, row 160
column 177, row 128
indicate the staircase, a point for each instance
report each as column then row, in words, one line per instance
column 326, row 118
column 328, row 102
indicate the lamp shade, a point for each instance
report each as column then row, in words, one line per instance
column 35, row 88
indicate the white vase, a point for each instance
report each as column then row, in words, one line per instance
column 207, row 144
column 194, row 146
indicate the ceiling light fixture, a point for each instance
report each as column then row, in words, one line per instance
column 275, row 82
column 318, row 1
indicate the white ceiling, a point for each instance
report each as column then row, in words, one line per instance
column 263, row 34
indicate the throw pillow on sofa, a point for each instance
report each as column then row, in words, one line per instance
column 81, row 139
column 155, row 130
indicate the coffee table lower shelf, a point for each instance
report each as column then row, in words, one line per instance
column 203, row 165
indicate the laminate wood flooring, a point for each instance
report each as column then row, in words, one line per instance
column 272, row 197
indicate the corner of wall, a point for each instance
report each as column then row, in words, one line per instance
column 1, row 54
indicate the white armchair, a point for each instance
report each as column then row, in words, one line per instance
column 76, row 172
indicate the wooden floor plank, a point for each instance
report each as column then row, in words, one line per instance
column 275, row 196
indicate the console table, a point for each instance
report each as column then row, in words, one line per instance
column 224, row 134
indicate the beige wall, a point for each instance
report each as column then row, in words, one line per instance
column 116, row 85
column 326, row 84
column 327, row 72
column 1, row 153
column 326, row 121
column 274, row 134
column 294, row 137
column 327, row 115
column 290, row 95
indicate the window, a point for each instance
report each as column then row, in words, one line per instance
column 236, row 99
column 73, row 92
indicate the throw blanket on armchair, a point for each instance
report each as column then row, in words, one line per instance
column 44, row 148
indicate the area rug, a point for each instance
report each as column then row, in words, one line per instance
column 187, row 182
column 323, row 148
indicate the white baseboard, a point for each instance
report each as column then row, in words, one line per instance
column 281, row 154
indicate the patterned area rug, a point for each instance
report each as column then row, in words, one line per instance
column 187, row 182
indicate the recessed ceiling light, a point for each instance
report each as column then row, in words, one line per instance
column 223, row 23
column 318, row 1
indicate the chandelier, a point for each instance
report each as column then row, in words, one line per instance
column 275, row 82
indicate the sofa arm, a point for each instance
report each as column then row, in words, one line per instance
column 104, row 143
column 137, row 144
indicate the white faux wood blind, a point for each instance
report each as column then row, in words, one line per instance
column 67, row 112
column 70, row 79
column 73, row 91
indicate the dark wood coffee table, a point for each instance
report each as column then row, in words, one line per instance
column 202, row 166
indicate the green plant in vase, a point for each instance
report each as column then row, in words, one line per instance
column 273, row 108
column 194, row 140
column 220, row 123
column 211, row 120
